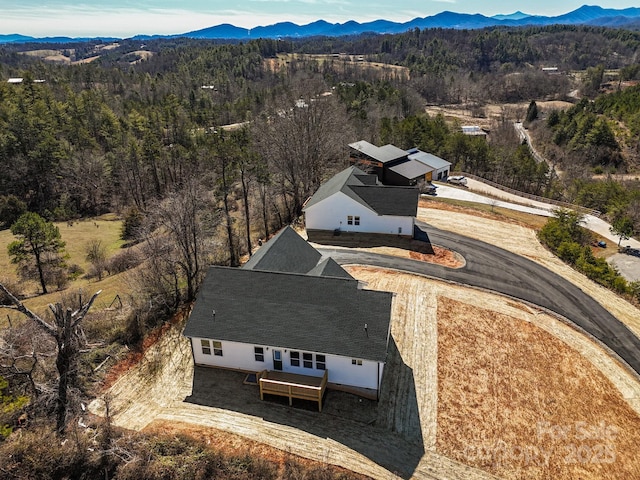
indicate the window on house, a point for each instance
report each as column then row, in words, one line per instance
column 217, row 348
column 349, row 219
column 356, row 361
column 307, row 360
column 206, row 347
column 259, row 353
column 356, row 220
column 295, row 359
column 321, row 363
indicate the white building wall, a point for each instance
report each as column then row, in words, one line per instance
column 441, row 173
column 332, row 213
column 241, row 356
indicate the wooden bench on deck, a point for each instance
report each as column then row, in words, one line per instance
column 292, row 385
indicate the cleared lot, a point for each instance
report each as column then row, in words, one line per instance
column 469, row 370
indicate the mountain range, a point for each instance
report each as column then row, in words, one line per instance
column 586, row 15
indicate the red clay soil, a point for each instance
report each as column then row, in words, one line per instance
column 441, row 256
column 134, row 357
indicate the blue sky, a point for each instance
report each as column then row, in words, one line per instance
column 125, row 18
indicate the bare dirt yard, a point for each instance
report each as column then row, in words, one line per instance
column 476, row 386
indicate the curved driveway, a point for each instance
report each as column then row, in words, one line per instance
column 493, row 268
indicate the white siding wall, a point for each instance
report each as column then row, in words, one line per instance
column 240, row 356
column 332, row 213
column 441, row 173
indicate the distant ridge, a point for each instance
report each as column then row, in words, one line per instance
column 585, row 15
column 513, row 16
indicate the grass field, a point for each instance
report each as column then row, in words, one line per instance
column 77, row 237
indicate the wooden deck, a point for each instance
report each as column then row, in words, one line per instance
column 292, row 385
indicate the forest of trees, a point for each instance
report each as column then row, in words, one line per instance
column 151, row 141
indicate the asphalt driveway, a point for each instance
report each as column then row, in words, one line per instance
column 495, row 269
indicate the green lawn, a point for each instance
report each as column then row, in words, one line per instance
column 77, row 237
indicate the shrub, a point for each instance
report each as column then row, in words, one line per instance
column 123, row 261
column 569, row 252
column 74, row 271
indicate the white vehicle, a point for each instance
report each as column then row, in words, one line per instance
column 457, row 180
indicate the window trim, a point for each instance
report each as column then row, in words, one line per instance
column 356, row 361
column 349, row 219
column 258, row 353
column 205, row 346
column 307, row 360
column 356, row 220
column 294, row 359
column 217, row 348
column 321, row 362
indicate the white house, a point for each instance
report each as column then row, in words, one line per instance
column 354, row 201
column 288, row 310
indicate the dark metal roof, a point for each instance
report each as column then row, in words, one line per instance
column 301, row 312
column 384, row 154
column 362, row 188
column 285, row 252
column 411, row 169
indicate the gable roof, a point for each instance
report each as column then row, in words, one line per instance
column 285, row 252
column 300, row 312
column 364, row 189
column 384, row 154
column 429, row 159
column 329, row 268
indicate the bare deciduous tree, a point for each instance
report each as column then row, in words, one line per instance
column 303, row 139
column 173, row 239
column 97, row 256
column 64, row 330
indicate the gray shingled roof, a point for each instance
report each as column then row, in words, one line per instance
column 302, row 312
column 411, row 169
column 285, row 252
column 384, row 154
column 429, row 159
column 389, row 200
column 329, row 268
column 382, row 199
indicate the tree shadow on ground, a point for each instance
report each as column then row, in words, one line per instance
column 358, row 423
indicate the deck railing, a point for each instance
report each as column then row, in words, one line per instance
column 291, row 389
